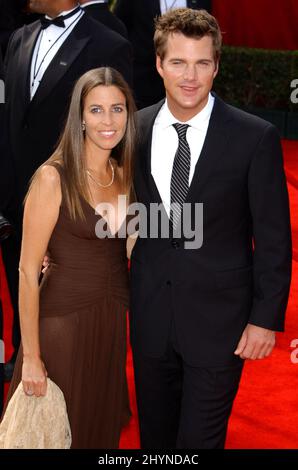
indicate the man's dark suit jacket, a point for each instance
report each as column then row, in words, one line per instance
column 138, row 17
column 6, row 173
column 1, row 66
column 102, row 13
column 35, row 127
column 216, row 289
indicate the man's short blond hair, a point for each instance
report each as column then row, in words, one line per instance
column 190, row 23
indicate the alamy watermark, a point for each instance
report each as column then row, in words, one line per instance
column 294, row 353
column 294, row 94
column 2, row 351
column 2, row 92
column 151, row 222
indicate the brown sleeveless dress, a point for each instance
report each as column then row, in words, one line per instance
column 84, row 297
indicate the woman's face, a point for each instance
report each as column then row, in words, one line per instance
column 105, row 117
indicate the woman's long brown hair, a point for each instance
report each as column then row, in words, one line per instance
column 70, row 150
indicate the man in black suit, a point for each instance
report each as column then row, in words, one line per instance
column 43, row 62
column 100, row 11
column 138, row 17
column 202, row 304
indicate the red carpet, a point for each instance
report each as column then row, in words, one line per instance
column 265, row 413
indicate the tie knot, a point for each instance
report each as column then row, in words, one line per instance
column 181, row 129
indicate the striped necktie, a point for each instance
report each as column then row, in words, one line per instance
column 180, row 174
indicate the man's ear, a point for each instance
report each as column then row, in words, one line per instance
column 216, row 68
column 159, row 66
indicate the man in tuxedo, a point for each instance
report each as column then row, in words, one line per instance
column 44, row 60
column 198, row 312
column 100, row 11
column 138, row 17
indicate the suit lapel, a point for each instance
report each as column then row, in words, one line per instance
column 214, row 145
column 62, row 61
column 146, row 150
column 29, row 39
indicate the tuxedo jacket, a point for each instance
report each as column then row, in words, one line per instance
column 1, row 66
column 5, row 163
column 138, row 17
column 101, row 12
column 241, row 274
column 35, row 126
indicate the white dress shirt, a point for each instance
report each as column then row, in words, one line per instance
column 165, row 143
column 47, row 45
column 166, row 5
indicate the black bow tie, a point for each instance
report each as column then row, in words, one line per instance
column 59, row 20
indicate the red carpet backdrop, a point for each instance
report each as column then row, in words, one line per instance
column 265, row 412
column 264, row 23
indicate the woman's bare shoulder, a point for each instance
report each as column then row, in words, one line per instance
column 48, row 175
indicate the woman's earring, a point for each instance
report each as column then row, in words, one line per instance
column 83, row 126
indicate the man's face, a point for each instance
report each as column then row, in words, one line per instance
column 188, row 70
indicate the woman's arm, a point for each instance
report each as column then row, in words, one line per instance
column 40, row 216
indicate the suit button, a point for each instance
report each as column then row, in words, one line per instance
column 175, row 244
column 169, row 283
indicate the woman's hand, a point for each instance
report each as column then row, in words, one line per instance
column 45, row 264
column 34, row 377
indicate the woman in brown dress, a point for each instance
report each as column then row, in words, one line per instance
column 74, row 324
